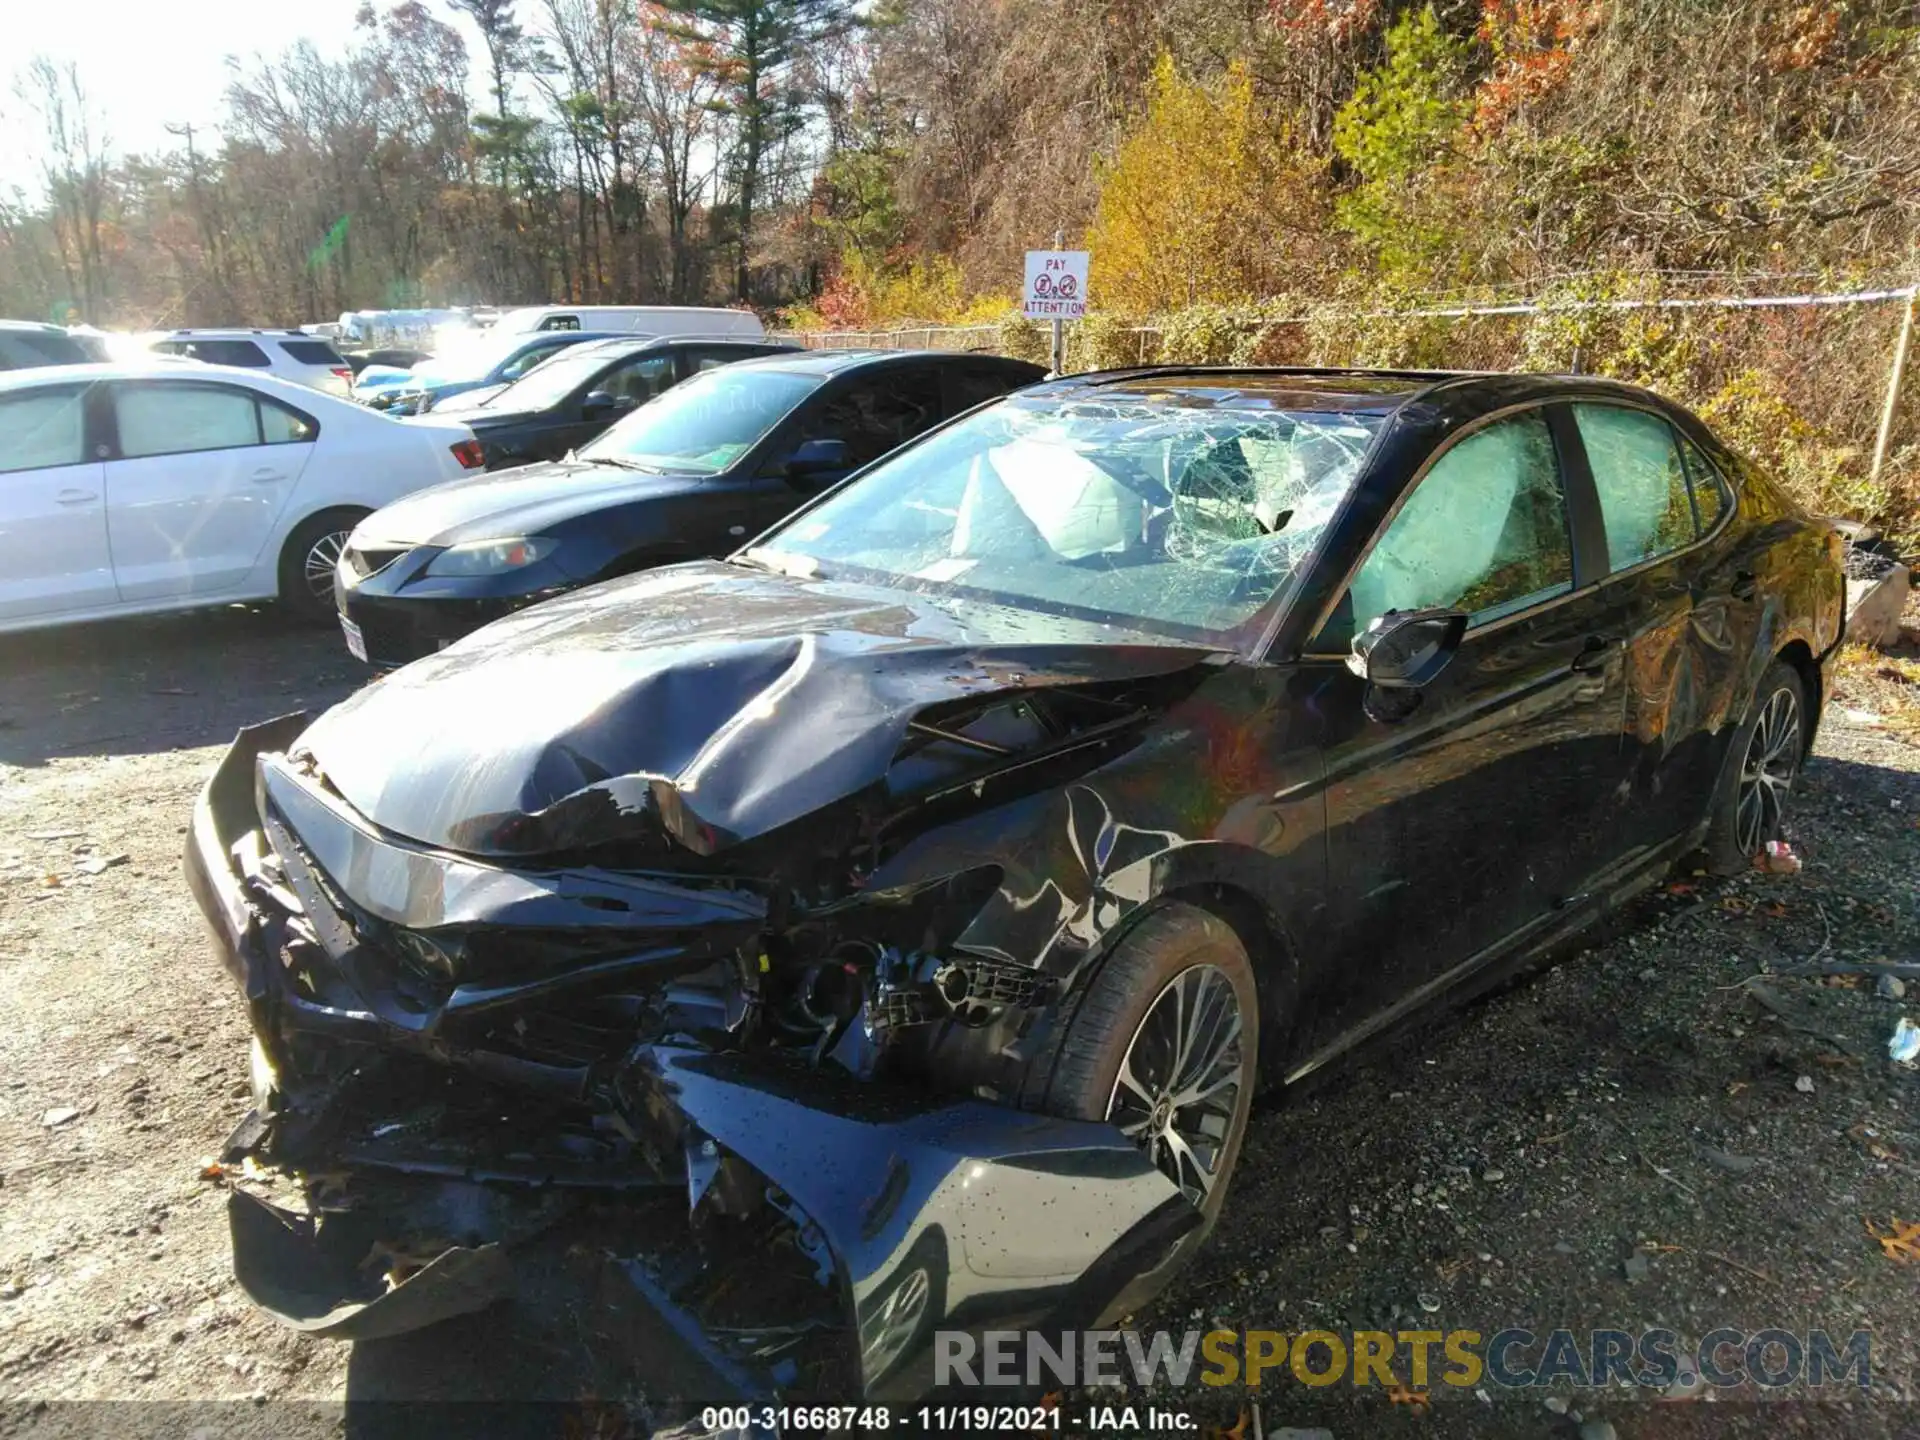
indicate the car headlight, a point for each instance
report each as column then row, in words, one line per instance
column 490, row 557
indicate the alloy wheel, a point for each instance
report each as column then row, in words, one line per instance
column 1766, row 774
column 1179, row 1083
column 898, row 1322
column 318, row 566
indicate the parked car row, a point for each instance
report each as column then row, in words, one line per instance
column 696, row 470
column 927, row 888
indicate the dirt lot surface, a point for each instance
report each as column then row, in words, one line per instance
column 1645, row 1136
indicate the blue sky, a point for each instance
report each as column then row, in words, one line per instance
column 148, row 64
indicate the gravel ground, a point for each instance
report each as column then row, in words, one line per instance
column 1643, row 1136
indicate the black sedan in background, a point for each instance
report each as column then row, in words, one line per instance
column 696, row 472
column 931, row 886
column 564, row 402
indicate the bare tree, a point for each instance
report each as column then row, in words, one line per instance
column 75, row 172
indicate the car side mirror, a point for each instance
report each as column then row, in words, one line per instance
column 1406, row 649
column 815, row 457
column 600, row 404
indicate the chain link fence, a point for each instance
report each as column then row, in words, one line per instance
column 1809, row 384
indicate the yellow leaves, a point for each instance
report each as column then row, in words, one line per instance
column 1192, row 201
column 1901, row 1244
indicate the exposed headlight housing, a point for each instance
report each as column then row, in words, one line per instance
column 490, row 557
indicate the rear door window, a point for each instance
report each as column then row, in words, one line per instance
column 971, row 385
column 312, row 352
column 709, row 357
column 243, row 353
column 43, row 428
column 561, row 322
column 521, row 364
column 27, row 349
column 163, row 419
column 640, row 379
column 1642, row 482
column 1710, row 497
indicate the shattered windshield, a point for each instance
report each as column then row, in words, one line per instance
column 1171, row 512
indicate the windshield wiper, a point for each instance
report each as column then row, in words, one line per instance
column 622, row 463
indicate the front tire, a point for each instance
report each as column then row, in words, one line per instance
column 307, row 561
column 1165, row 1044
column 1761, row 765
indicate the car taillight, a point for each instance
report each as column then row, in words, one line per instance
column 343, row 372
column 471, row 454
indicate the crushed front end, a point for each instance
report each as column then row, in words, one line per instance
column 721, row 1077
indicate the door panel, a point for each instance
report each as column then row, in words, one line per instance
column 53, row 514
column 1491, row 802
column 198, row 491
column 1686, row 624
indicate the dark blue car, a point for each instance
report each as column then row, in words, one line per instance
column 498, row 361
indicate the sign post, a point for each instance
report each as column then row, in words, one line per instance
column 1056, row 290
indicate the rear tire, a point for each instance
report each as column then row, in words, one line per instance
column 307, row 561
column 1172, row 1012
column 1762, row 762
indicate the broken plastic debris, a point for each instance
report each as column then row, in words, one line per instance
column 59, row 1116
column 1778, row 858
column 1905, row 1044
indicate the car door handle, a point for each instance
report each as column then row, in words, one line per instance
column 1745, row 585
column 1594, row 653
column 77, row 497
column 266, row 475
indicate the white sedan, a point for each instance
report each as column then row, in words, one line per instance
column 127, row 489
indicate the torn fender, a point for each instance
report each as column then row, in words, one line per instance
column 312, row 1276
column 939, row 1215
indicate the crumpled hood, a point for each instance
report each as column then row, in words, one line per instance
column 705, row 700
column 509, row 503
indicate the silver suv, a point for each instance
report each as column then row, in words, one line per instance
column 291, row 354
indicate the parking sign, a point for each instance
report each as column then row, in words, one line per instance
column 1056, row 287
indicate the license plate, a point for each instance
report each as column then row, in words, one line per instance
column 356, row 642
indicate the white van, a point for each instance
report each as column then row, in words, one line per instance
column 662, row 321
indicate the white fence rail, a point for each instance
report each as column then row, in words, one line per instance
column 985, row 337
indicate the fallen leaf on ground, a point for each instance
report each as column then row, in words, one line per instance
column 1401, row 1395
column 1901, row 1244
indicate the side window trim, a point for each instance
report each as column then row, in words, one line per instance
column 1695, row 461
column 1569, row 484
column 111, row 448
column 1683, row 442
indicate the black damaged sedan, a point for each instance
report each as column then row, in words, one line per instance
column 897, row 920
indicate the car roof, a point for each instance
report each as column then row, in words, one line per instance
column 39, row 327
column 164, row 367
column 827, row 363
column 1366, row 391
column 239, row 333
column 633, row 344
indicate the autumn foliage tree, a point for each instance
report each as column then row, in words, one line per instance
column 1200, row 199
